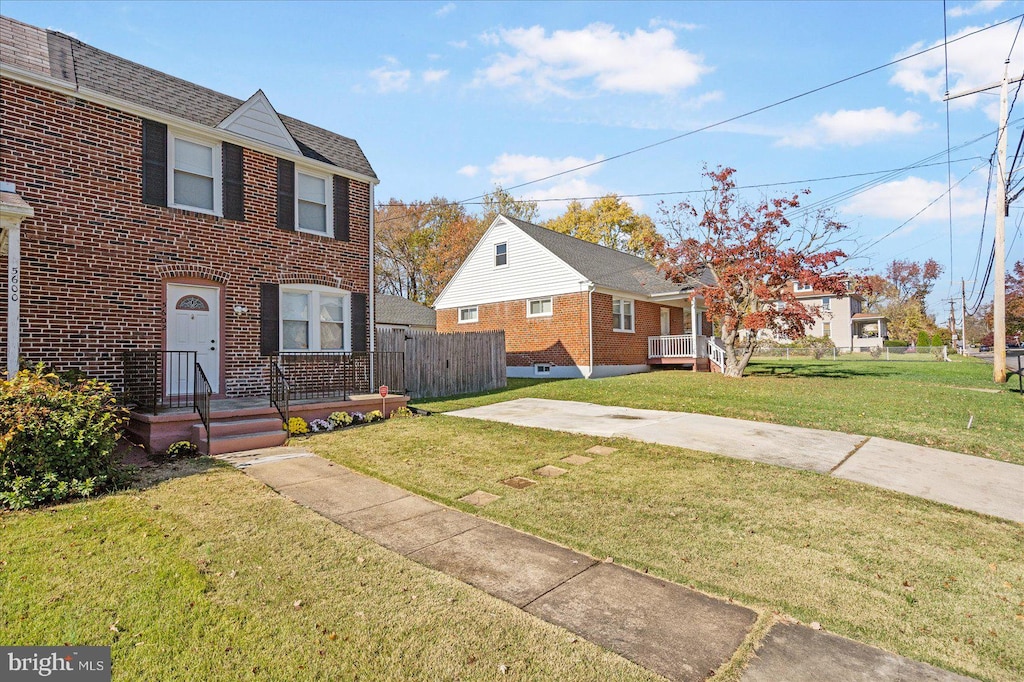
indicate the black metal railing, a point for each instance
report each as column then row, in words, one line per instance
column 201, row 402
column 323, row 375
column 159, row 379
column 279, row 391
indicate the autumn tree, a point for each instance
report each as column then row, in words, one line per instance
column 500, row 201
column 902, row 297
column 752, row 254
column 1015, row 300
column 608, row 221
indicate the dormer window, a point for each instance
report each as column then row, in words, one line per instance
column 804, row 287
column 500, row 255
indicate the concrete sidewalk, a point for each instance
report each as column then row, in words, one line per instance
column 982, row 485
column 674, row 631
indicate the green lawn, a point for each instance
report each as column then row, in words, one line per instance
column 911, row 576
column 213, row 576
column 926, row 402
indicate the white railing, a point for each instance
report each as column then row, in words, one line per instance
column 670, row 346
column 716, row 353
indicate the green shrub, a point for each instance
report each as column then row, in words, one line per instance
column 923, row 341
column 374, row 416
column 297, row 426
column 340, row 420
column 820, row 346
column 937, row 339
column 57, row 440
column 401, row 413
column 895, row 343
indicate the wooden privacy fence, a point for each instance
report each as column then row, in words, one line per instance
column 439, row 365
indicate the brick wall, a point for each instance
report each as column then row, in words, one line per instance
column 96, row 260
column 563, row 338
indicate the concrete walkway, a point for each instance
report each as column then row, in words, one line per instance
column 975, row 483
column 674, row 631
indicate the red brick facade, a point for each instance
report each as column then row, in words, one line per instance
column 563, row 339
column 96, row 260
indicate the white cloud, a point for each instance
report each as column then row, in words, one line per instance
column 658, row 22
column 70, row 34
column 391, row 80
column 489, row 38
column 445, row 9
column 458, row 44
column 981, row 7
column 435, row 75
column 512, row 169
column 853, row 128
column 901, row 199
column 609, row 60
column 973, row 62
column 470, row 171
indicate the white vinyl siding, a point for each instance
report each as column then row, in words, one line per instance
column 539, row 307
column 468, row 315
column 532, row 272
column 622, row 315
column 312, row 203
column 194, row 174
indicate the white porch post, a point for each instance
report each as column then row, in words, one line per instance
column 13, row 210
column 693, row 326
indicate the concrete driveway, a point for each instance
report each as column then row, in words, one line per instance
column 983, row 485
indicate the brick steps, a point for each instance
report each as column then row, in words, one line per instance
column 238, row 434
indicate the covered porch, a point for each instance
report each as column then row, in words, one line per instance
column 868, row 331
column 691, row 349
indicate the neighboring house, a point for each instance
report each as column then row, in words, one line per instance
column 397, row 312
column 153, row 226
column 842, row 319
column 571, row 308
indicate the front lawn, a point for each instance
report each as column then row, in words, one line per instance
column 213, row 576
column 911, row 576
column 925, row 402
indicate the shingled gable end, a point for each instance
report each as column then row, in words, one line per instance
column 167, row 225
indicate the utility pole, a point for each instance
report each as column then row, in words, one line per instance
column 963, row 314
column 1002, row 210
column 952, row 327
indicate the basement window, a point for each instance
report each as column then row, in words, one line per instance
column 542, row 369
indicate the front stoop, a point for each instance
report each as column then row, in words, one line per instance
column 238, row 434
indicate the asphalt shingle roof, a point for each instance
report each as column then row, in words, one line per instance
column 91, row 68
column 390, row 309
column 603, row 266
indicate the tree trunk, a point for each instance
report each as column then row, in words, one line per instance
column 735, row 362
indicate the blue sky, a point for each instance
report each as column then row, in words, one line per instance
column 447, row 98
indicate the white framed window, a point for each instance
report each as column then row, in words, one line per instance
column 501, row 255
column 803, row 287
column 542, row 369
column 313, row 203
column 826, row 330
column 315, row 318
column 194, row 174
column 622, row 315
column 539, row 307
column 468, row 315
column 826, row 303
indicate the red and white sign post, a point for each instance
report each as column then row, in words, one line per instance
column 384, row 401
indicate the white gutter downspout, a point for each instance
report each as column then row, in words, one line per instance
column 590, row 326
column 372, row 296
column 13, row 210
column 693, row 329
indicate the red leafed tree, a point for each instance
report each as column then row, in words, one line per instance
column 752, row 254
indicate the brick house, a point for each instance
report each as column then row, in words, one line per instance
column 152, row 226
column 571, row 308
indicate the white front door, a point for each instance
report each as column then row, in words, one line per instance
column 193, row 324
column 666, row 322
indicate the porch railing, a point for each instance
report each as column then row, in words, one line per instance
column 201, row 401
column 279, row 391
column 159, row 379
column 323, row 375
column 670, row 346
column 716, row 353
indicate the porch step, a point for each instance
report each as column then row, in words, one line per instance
column 236, row 435
column 703, row 365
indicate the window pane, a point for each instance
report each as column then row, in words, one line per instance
column 295, row 306
column 332, row 335
column 331, row 309
column 193, row 190
column 313, row 217
column 312, row 189
column 296, row 335
column 194, row 158
column 468, row 314
column 501, row 254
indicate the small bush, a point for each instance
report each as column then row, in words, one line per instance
column 181, row 450
column 875, row 352
column 358, row 418
column 923, row 341
column 297, row 427
column 57, row 440
column 895, row 343
column 340, row 419
column 820, row 346
column 374, row 416
column 401, row 413
column 937, row 339
column 320, row 426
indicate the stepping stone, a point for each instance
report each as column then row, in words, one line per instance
column 518, row 482
column 550, row 471
column 676, row 632
column 795, row 652
column 577, row 459
column 602, row 450
column 479, row 498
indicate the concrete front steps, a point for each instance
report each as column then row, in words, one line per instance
column 236, row 434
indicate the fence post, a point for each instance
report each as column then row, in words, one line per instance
column 887, row 354
column 787, row 354
column 833, row 353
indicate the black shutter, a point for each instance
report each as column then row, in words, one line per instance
column 234, row 190
column 270, row 319
column 285, row 194
column 154, row 163
column 341, row 212
column 358, row 323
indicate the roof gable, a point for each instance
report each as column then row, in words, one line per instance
column 257, row 119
